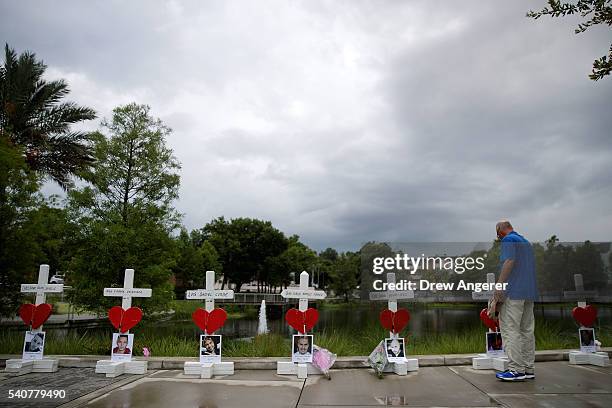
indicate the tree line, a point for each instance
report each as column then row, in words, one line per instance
column 120, row 214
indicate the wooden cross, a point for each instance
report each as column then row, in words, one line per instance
column 42, row 287
column 485, row 294
column 579, row 294
column 128, row 291
column 391, row 296
column 209, row 294
column 304, row 293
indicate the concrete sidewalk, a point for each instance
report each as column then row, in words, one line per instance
column 558, row 384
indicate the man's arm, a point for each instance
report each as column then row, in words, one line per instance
column 503, row 277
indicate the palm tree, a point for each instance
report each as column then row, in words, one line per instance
column 35, row 122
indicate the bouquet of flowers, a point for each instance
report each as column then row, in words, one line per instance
column 378, row 359
column 323, row 359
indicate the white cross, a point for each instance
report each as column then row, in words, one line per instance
column 391, row 296
column 128, row 291
column 210, row 294
column 43, row 287
column 485, row 294
column 579, row 294
column 304, row 293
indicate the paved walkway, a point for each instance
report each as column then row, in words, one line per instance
column 558, row 384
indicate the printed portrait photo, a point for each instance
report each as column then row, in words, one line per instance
column 587, row 340
column 122, row 346
column 33, row 345
column 210, row 349
column 395, row 349
column 495, row 344
column 302, row 348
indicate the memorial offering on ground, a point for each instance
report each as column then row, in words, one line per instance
column 323, row 359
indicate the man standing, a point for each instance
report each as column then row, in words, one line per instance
column 516, row 312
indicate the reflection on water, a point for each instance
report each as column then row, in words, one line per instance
column 424, row 321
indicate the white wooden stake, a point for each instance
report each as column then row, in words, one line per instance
column 208, row 370
column 126, row 293
column 303, row 294
column 392, row 296
column 44, row 365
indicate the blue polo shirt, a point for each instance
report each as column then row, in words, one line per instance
column 522, row 281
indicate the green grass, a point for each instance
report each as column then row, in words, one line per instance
column 549, row 336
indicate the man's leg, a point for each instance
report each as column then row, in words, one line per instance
column 510, row 318
column 528, row 337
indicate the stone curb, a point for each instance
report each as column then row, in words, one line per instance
column 269, row 363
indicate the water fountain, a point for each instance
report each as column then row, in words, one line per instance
column 262, row 328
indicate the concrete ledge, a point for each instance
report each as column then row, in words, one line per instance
column 269, row 363
column 458, row 359
column 429, row 360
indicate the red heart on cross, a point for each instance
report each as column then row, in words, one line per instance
column 585, row 315
column 394, row 321
column 124, row 320
column 209, row 322
column 35, row 315
column 492, row 324
column 302, row 321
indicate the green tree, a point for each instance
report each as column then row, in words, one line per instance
column 586, row 260
column 194, row 259
column 35, row 121
column 329, row 254
column 594, row 12
column 243, row 245
column 35, row 143
column 344, row 275
column 296, row 258
column 125, row 216
column 368, row 253
column 18, row 248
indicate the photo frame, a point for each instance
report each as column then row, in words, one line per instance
column 122, row 346
column 33, row 345
column 587, row 340
column 494, row 344
column 301, row 346
column 210, row 348
column 395, row 348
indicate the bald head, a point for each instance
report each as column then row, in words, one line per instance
column 503, row 228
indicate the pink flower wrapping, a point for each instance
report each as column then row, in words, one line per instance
column 323, row 359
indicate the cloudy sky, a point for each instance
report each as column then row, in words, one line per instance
column 352, row 121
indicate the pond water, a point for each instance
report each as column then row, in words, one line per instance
column 424, row 321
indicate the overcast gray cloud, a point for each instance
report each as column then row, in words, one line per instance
column 351, row 121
